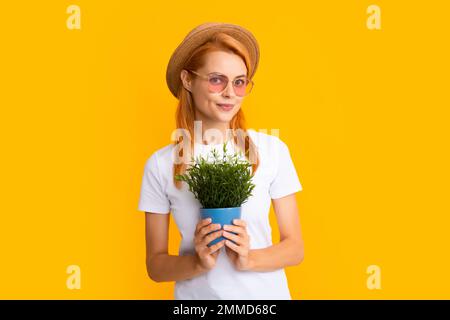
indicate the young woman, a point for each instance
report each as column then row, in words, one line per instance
column 210, row 74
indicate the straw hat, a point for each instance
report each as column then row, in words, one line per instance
column 198, row 36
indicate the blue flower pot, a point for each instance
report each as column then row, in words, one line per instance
column 221, row 216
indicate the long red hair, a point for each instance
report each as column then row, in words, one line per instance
column 185, row 114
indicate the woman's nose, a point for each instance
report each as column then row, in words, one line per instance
column 229, row 90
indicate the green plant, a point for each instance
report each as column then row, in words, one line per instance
column 224, row 182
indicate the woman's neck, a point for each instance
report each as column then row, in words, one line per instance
column 212, row 133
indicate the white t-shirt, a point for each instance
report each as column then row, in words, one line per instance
column 275, row 177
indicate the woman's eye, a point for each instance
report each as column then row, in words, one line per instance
column 215, row 80
column 239, row 82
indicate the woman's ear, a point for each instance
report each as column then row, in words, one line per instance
column 186, row 80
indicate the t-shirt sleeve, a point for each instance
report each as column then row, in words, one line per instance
column 153, row 198
column 286, row 180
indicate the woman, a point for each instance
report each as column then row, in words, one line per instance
column 210, row 74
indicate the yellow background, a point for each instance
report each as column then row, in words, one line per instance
column 364, row 113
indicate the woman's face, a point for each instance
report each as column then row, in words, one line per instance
column 206, row 102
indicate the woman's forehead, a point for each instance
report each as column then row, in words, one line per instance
column 225, row 63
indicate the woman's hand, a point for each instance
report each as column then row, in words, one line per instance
column 207, row 256
column 239, row 252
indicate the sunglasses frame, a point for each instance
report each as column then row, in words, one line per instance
column 207, row 77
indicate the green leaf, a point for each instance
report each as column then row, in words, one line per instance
column 219, row 182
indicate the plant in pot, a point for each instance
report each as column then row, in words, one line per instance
column 221, row 184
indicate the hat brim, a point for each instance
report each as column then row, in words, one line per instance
column 199, row 36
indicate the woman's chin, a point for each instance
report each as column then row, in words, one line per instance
column 220, row 116
column 224, row 117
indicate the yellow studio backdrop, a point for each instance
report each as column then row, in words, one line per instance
column 363, row 109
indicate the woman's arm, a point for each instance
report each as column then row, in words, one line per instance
column 289, row 251
column 160, row 265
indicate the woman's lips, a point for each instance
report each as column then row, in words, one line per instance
column 225, row 107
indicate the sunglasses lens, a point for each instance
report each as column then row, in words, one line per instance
column 217, row 83
column 242, row 87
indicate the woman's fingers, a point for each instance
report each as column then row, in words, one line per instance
column 207, row 232
column 206, row 240
column 240, row 222
column 230, row 236
column 209, row 229
column 238, row 249
column 236, row 229
column 216, row 247
column 202, row 224
column 211, row 237
column 204, row 231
